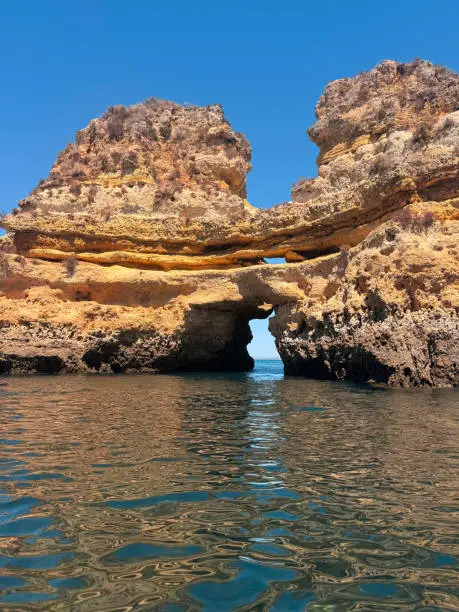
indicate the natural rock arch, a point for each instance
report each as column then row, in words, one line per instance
column 140, row 251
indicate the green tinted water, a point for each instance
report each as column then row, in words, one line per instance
column 227, row 492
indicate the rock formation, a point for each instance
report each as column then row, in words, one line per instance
column 140, row 252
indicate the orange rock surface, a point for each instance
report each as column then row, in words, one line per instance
column 140, row 251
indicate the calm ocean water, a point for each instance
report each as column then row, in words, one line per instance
column 227, row 492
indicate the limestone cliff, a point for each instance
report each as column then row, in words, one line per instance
column 140, row 251
column 387, row 310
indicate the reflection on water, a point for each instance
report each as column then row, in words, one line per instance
column 224, row 492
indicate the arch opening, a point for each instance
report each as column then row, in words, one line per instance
column 262, row 346
column 275, row 260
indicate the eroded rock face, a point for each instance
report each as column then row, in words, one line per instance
column 392, row 97
column 387, row 311
column 130, row 179
column 140, row 252
column 141, row 159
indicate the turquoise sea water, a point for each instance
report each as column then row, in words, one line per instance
column 227, row 492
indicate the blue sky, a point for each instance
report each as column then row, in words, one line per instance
column 267, row 62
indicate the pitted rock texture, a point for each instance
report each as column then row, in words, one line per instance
column 162, row 186
column 392, row 97
column 162, row 153
column 390, row 312
column 140, row 252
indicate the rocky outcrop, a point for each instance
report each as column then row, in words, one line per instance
column 140, row 252
column 390, row 308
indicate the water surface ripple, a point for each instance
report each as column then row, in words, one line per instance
column 227, row 492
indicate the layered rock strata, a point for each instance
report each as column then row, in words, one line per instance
column 140, row 252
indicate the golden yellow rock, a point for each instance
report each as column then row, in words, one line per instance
column 140, row 251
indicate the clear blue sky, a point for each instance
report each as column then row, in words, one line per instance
column 267, row 62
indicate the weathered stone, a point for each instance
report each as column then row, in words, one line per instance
column 140, row 253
